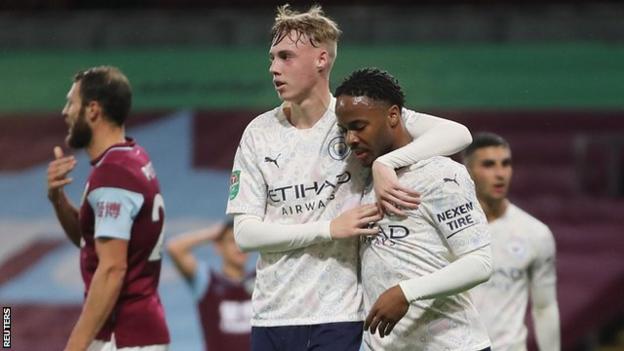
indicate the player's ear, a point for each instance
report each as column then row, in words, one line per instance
column 322, row 61
column 93, row 110
column 394, row 115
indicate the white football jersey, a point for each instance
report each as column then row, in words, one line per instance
column 448, row 223
column 523, row 255
column 287, row 175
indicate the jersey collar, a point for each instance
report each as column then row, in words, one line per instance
column 129, row 143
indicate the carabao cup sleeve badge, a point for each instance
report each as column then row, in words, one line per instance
column 234, row 184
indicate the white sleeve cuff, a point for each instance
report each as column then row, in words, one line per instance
column 469, row 270
column 252, row 234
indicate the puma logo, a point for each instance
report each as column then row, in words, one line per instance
column 451, row 180
column 272, row 160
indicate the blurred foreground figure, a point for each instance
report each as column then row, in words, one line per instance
column 118, row 227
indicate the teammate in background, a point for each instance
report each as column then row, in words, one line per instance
column 223, row 299
column 118, row 227
column 416, row 270
column 293, row 177
column 523, row 251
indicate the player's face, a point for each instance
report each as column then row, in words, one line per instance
column 79, row 132
column 365, row 124
column 294, row 67
column 230, row 251
column 490, row 167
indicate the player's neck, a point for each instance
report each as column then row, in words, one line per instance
column 401, row 137
column 305, row 113
column 494, row 209
column 103, row 139
column 233, row 272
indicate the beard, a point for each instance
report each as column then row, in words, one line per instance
column 80, row 133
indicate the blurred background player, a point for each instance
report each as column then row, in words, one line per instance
column 423, row 263
column 523, row 251
column 118, row 227
column 223, row 298
column 293, row 177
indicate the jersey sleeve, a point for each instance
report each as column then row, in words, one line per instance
column 433, row 136
column 200, row 281
column 247, row 193
column 114, row 210
column 452, row 207
column 543, row 268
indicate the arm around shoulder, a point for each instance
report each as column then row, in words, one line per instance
column 433, row 136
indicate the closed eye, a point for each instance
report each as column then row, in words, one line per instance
column 357, row 126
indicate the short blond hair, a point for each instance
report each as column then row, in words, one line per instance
column 317, row 27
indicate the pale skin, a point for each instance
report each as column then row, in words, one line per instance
column 301, row 78
column 355, row 222
column 112, row 264
column 180, row 250
column 491, row 169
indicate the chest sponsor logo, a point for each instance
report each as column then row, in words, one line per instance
column 308, row 192
column 388, row 235
column 457, row 218
column 505, row 278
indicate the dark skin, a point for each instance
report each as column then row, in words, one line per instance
column 387, row 311
column 373, row 128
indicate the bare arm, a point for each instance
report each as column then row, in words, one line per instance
column 103, row 292
column 65, row 211
column 180, row 249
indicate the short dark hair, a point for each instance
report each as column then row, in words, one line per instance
column 374, row 84
column 110, row 88
column 484, row 139
column 228, row 225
